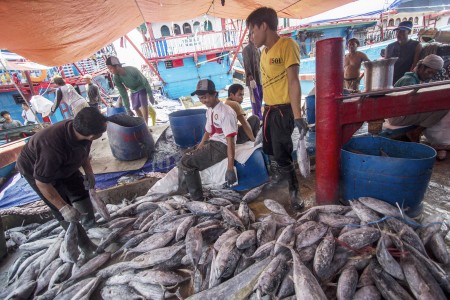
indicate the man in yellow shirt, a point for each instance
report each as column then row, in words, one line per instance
column 280, row 60
column 249, row 127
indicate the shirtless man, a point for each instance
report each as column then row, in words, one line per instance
column 352, row 65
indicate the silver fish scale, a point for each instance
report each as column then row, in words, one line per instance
column 231, row 218
column 385, row 259
column 359, row 238
column 347, row 284
column 311, row 235
column 202, row 208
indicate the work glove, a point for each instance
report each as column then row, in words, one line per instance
column 89, row 181
column 253, row 84
column 302, row 127
column 230, row 177
column 70, row 214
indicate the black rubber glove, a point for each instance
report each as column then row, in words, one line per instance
column 302, row 127
column 230, row 177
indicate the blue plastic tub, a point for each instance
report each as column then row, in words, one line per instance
column 253, row 173
column 400, row 177
column 310, row 109
column 188, row 126
column 111, row 111
column 129, row 137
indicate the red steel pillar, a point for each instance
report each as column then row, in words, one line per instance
column 329, row 87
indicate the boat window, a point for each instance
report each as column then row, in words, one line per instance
column 391, row 22
column 448, row 21
column 416, row 20
column 176, row 29
column 197, row 27
column 404, row 19
column 397, row 21
column 165, row 31
column 187, row 28
column 411, row 19
column 385, row 22
column 207, row 26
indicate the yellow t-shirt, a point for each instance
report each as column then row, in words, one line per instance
column 274, row 63
column 236, row 107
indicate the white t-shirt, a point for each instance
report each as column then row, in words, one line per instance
column 221, row 122
column 28, row 116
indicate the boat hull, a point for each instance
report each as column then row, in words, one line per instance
column 181, row 75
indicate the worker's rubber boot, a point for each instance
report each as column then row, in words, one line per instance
column 182, row 187
column 296, row 202
column 194, row 185
column 87, row 212
column 277, row 177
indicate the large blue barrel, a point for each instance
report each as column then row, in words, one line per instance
column 111, row 111
column 310, row 109
column 129, row 137
column 388, row 170
column 253, row 173
column 188, row 126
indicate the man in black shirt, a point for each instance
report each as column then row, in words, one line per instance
column 50, row 162
column 407, row 50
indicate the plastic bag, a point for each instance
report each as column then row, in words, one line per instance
column 41, row 105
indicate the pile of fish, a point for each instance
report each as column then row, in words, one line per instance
column 159, row 246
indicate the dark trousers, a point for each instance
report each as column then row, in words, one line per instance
column 71, row 190
column 254, row 125
column 201, row 159
column 278, row 124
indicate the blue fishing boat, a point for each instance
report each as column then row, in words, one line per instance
column 183, row 52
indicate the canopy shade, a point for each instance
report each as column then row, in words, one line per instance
column 55, row 32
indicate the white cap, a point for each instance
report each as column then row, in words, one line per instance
column 87, row 76
column 433, row 61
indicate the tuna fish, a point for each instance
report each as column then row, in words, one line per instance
column 99, row 205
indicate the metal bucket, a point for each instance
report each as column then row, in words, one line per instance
column 379, row 74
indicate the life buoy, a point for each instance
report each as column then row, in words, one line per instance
column 39, row 78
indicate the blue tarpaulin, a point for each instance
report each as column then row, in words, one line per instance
column 17, row 192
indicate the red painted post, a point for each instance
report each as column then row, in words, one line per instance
column 329, row 86
column 238, row 47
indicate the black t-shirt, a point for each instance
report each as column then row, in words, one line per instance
column 405, row 54
column 53, row 153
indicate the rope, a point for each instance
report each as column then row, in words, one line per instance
column 407, row 221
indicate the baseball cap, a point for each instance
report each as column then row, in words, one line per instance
column 113, row 61
column 405, row 25
column 433, row 61
column 204, row 86
column 87, row 76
